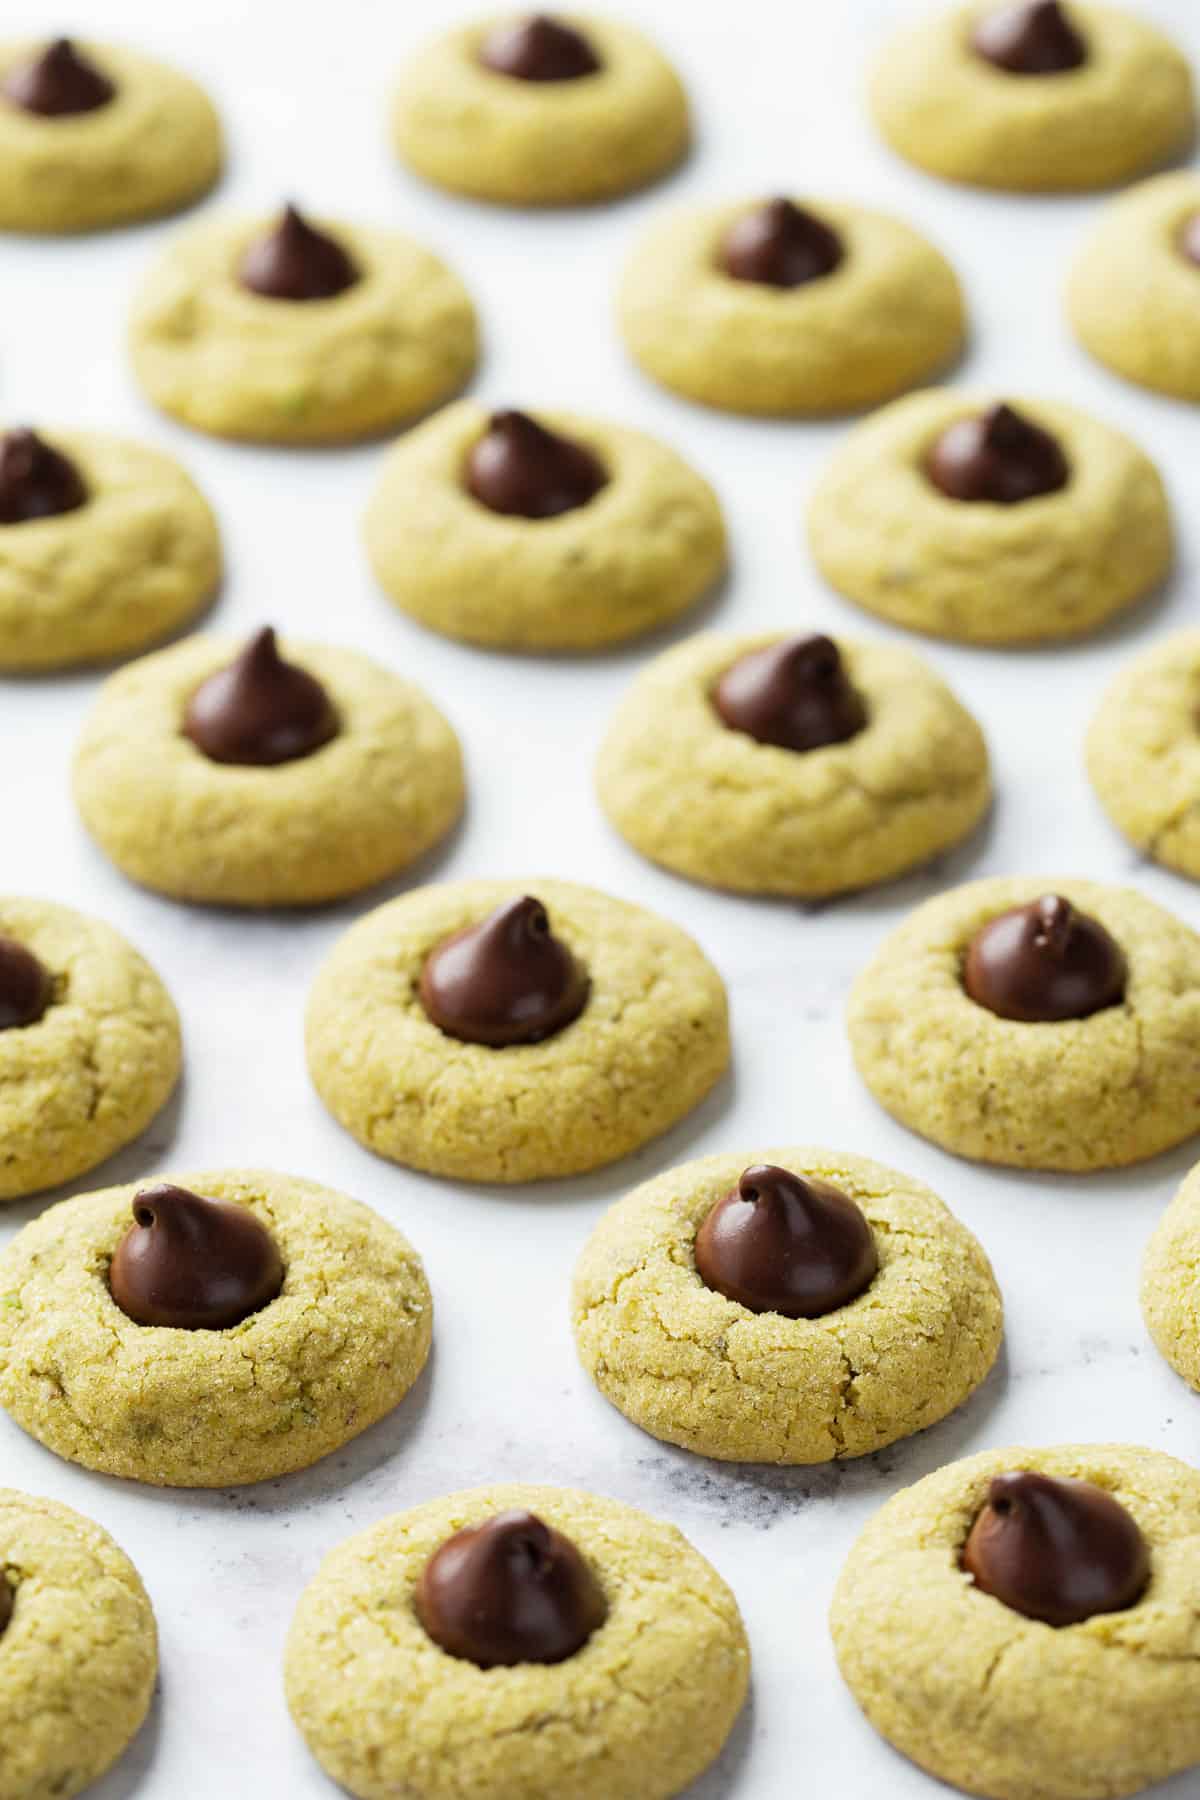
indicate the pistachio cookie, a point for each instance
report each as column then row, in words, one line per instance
column 1040, row 1023
column 1133, row 297
column 481, row 1031
column 791, row 765
column 247, row 778
column 770, row 307
column 1169, row 1295
column 105, row 546
column 516, row 1643
column 89, row 1044
column 990, row 523
column 91, row 135
column 538, row 111
column 796, row 1306
column 78, row 1649
column 229, row 1330
column 1033, row 96
column 278, row 332
column 1067, row 1583
column 555, row 533
column 1143, row 752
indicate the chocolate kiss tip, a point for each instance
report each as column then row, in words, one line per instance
column 1060, row 1551
column 193, row 1263
column 794, row 695
column 58, row 83
column 507, row 980
column 786, row 1243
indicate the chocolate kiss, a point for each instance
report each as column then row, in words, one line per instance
column 26, row 988
column 1059, row 1551
column 6, row 1603
column 795, row 695
column 1189, row 238
column 538, row 49
column 781, row 245
column 507, row 980
column 193, row 1263
column 36, row 482
column 294, row 261
column 58, row 82
column 511, row 1590
column 1044, row 962
column 786, row 1243
column 259, row 709
column 1033, row 39
column 517, row 466
column 997, row 455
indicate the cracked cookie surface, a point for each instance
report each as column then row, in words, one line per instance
column 1019, row 1710
column 138, row 559
column 1143, row 752
column 361, row 807
column 464, row 127
column 977, row 571
column 638, row 554
column 1077, row 1094
column 1168, row 1286
column 717, row 806
column 92, row 1072
column 338, row 1348
column 700, row 1370
column 153, row 147
column 1128, row 106
column 635, row 1714
column 651, row 1041
column 79, row 1655
column 397, row 342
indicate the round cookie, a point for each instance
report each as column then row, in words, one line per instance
column 89, row 1074
column 1076, row 1094
column 1021, row 1710
column 636, row 1714
column 942, row 105
column 1168, row 1289
column 79, row 1654
column 475, row 130
column 1133, row 291
column 701, row 1370
column 138, row 559
column 634, row 556
column 717, row 806
column 241, row 364
column 1055, row 565
column 384, row 789
column 151, row 148
column 338, row 1348
column 649, row 1043
column 1143, row 752
column 887, row 316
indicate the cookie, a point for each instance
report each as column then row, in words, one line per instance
column 1004, row 1704
column 78, row 1649
column 791, row 798
column 1079, row 1051
column 317, row 777
column 105, row 546
column 1168, row 1289
column 92, row 135
column 1066, row 99
column 1133, row 288
column 635, row 1713
column 733, row 1371
column 574, row 1028
column 952, row 514
column 357, row 331
column 1143, row 752
column 539, row 111
column 575, row 534
column 89, row 1044
column 205, row 1404
column 832, row 310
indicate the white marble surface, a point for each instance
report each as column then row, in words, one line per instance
column 778, row 99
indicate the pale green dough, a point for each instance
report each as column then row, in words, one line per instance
column 1170, row 1286
column 635, row 1714
column 700, row 1370
column 153, row 147
column 1004, row 1706
column 1143, row 752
